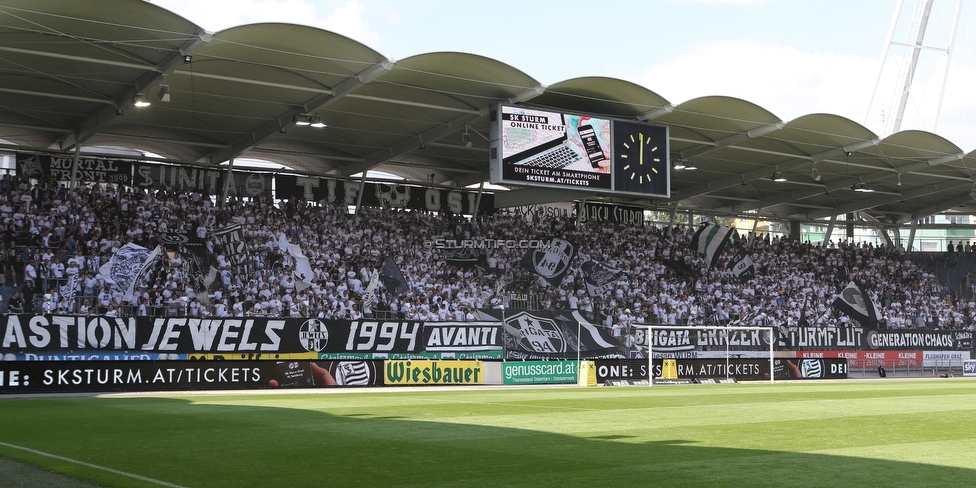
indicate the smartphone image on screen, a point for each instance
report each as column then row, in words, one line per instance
column 591, row 144
column 294, row 373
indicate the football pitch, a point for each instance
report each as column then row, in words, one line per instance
column 846, row 433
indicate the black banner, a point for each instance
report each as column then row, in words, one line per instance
column 463, row 336
column 56, row 333
column 935, row 340
column 550, row 335
column 857, row 338
column 740, row 369
column 62, row 168
column 231, row 238
column 683, row 340
column 821, row 338
column 107, row 376
column 382, row 195
column 201, row 180
column 600, row 212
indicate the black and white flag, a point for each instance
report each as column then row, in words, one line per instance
column 231, row 239
column 743, row 267
column 70, row 288
column 599, row 279
column 856, row 303
column 127, row 266
column 551, row 260
column 710, row 240
column 392, row 278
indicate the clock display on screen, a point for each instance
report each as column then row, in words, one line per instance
column 640, row 159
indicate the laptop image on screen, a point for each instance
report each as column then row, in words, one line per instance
column 539, row 148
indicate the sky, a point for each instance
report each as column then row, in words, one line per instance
column 791, row 57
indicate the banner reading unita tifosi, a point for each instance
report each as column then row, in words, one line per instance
column 434, row 372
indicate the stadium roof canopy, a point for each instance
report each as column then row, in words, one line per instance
column 69, row 71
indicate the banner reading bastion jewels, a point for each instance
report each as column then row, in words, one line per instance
column 27, row 336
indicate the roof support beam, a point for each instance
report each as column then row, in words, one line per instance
column 939, row 207
column 919, row 192
column 408, row 144
column 149, row 76
column 765, row 172
column 248, row 141
column 847, row 182
column 732, row 140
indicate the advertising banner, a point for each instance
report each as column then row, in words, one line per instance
column 969, row 368
column 944, row 359
column 95, row 356
column 106, row 376
column 539, row 372
column 740, row 369
column 387, row 195
column 810, row 368
column 421, row 372
column 869, row 359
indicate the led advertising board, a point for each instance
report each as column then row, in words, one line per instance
column 539, row 147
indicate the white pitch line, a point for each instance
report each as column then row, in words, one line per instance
column 90, row 465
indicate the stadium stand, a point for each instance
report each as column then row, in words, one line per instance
column 56, row 232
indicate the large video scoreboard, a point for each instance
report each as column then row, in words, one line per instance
column 538, row 147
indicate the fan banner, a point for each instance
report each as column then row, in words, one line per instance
column 201, row 180
column 387, row 195
column 552, row 261
column 63, row 168
column 232, row 240
column 540, row 335
column 856, row 338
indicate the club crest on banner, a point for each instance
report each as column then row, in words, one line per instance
column 539, row 334
column 550, row 262
column 313, row 335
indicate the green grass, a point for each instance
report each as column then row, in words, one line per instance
column 852, row 433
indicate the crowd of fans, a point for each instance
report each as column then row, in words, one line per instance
column 52, row 231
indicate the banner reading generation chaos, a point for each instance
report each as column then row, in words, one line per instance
column 110, row 376
column 798, row 338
